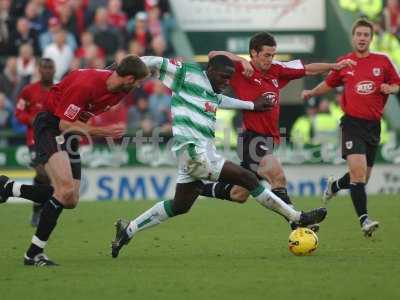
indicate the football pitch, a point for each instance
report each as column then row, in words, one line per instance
column 219, row 250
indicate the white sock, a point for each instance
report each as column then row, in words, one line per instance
column 36, row 241
column 271, row 201
column 151, row 217
column 16, row 190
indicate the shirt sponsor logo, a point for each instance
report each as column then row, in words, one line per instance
column 208, row 107
column 72, row 111
column 376, row 71
column 365, row 87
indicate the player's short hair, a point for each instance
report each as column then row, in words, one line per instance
column 362, row 23
column 261, row 39
column 45, row 60
column 220, row 62
column 132, row 65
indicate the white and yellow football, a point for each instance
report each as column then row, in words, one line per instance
column 302, row 241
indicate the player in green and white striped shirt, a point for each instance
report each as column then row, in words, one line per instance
column 195, row 99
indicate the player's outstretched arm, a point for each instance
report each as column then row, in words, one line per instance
column 247, row 67
column 81, row 128
column 261, row 103
column 321, row 68
column 319, row 90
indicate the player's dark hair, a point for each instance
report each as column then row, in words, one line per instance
column 44, row 60
column 362, row 23
column 220, row 62
column 132, row 65
column 261, row 39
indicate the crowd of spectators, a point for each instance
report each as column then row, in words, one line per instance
column 84, row 34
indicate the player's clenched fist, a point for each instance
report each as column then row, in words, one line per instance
column 264, row 102
column 344, row 63
column 306, row 94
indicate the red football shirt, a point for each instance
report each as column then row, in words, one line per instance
column 248, row 89
column 82, row 94
column 30, row 101
column 361, row 96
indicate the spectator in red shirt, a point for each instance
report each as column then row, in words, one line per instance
column 367, row 86
column 81, row 95
column 88, row 52
column 30, row 102
column 116, row 17
column 262, row 76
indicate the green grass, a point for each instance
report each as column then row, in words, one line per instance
column 219, row 251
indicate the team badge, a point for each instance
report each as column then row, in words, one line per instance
column 376, row 71
column 72, row 111
column 275, row 83
column 349, row 145
column 60, row 139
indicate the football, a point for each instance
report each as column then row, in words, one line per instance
column 302, row 241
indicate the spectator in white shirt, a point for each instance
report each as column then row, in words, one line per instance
column 61, row 53
column 25, row 61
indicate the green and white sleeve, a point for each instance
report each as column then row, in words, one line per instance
column 226, row 102
column 164, row 69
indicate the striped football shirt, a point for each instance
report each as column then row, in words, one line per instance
column 193, row 104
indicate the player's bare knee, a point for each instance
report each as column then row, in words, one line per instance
column 280, row 180
column 262, row 173
column 239, row 196
column 66, row 195
column 358, row 175
column 71, row 204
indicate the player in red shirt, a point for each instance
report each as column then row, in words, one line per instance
column 83, row 93
column 367, row 86
column 30, row 102
column 262, row 75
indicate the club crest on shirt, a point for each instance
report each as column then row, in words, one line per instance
column 275, row 83
column 376, row 71
column 349, row 145
column 72, row 111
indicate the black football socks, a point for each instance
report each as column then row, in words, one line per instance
column 48, row 221
column 342, row 183
column 359, row 198
column 220, row 190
